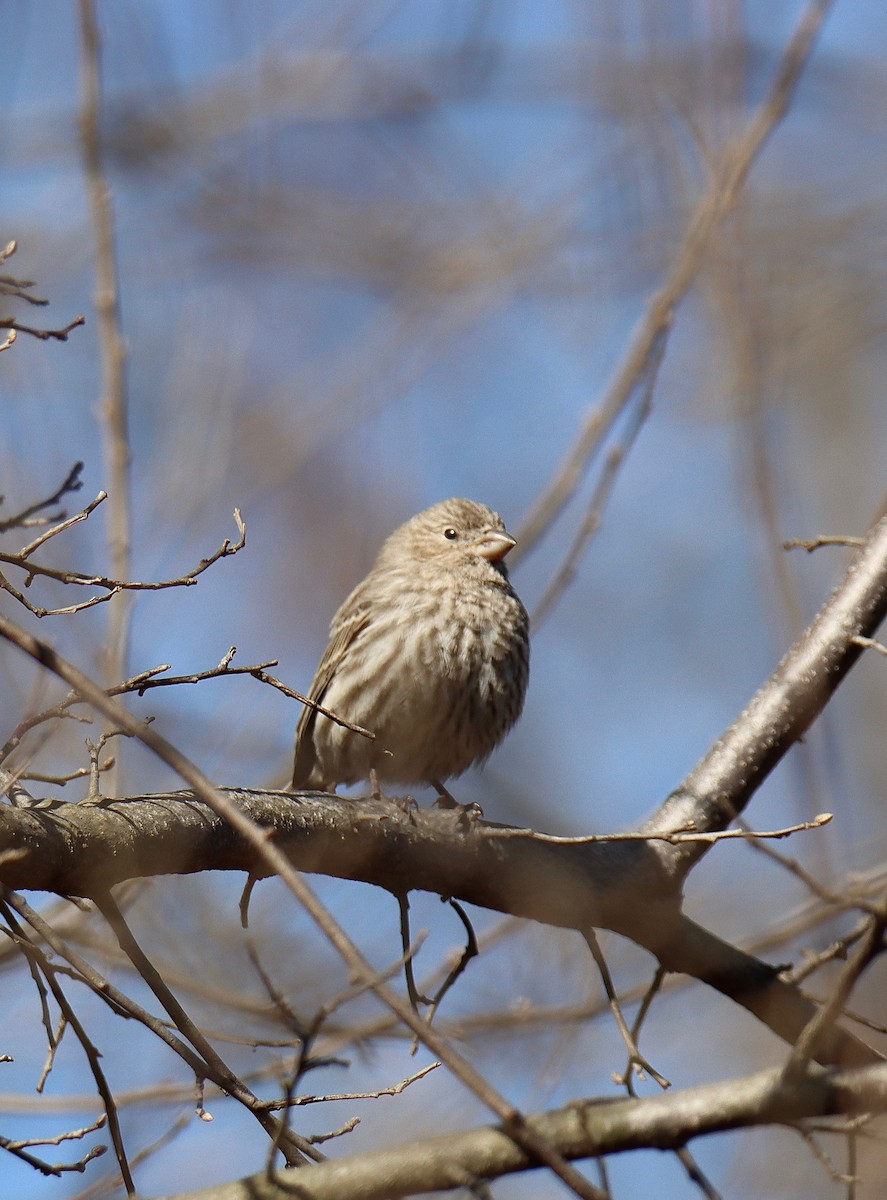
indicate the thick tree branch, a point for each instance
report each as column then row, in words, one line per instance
column 579, row 1130
column 724, row 780
column 85, row 849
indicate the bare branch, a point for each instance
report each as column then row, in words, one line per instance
column 870, row 946
column 44, row 335
column 26, row 551
column 870, row 644
column 721, row 784
column 811, row 544
column 19, row 1150
column 33, row 570
column 581, row 1129
column 394, row 1090
column 78, row 849
column 50, row 973
column 294, row 695
column 291, row 1144
column 675, row 838
column 637, row 1063
column 214, row 1069
column 23, row 519
column 20, row 288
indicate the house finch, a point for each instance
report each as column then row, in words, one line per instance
column 430, row 653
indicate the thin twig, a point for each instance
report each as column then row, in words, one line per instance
column 272, row 681
column 870, row 945
column 21, row 559
column 616, row 456
column 394, row 1089
column 93, row 1055
column 102, row 1186
column 71, row 483
column 44, row 335
column 675, row 837
column 696, row 1174
column 292, row 1145
column 469, row 951
column 17, row 1150
column 839, row 949
column 794, row 868
column 26, row 551
column 870, row 644
column 124, row 1005
column 637, row 1063
column 821, row 1157
column 811, row 544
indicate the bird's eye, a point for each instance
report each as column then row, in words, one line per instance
column 449, row 533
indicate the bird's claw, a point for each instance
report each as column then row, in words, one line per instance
column 466, row 814
column 408, row 805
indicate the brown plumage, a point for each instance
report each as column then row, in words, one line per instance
column 430, row 652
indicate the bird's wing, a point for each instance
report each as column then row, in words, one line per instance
column 352, row 617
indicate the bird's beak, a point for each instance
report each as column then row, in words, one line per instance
column 494, row 544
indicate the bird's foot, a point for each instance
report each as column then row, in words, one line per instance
column 408, row 805
column 467, row 812
column 444, row 798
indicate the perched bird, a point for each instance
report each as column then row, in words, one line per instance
column 430, row 653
